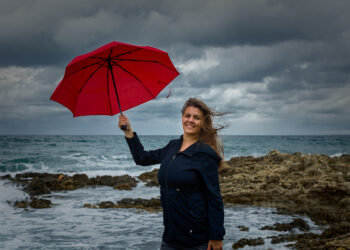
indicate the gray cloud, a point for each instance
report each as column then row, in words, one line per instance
column 282, row 65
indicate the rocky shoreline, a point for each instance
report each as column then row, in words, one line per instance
column 310, row 184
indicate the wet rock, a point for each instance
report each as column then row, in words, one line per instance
column 306, row 237
column 106, row 204
column 43, row 183
column 152, row 205
column 80, row 180
column 243, row 228
column 328, row 193
column 340, row 243
column 88, row 205
column 37, row 187
column 336, row 230
column 21, row 204
column 113, row 181
column 40, row 203
column 248, row 242
column 150, row 177
column 123, row 186
column 283, row 238
column 296, row 223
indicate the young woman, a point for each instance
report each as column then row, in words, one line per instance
column 193, row 212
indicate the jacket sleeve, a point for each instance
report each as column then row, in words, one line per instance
column 141, row 156
column 209, row 173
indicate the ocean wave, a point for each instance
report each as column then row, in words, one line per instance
column 10, row 193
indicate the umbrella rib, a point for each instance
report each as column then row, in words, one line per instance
column 110, row 103
column 135, row 60
column 89, row 78
column 134, row 77
column 85, row 67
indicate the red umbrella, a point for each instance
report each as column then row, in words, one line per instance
column 114, row 78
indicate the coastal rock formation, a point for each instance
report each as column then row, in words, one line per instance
column 43, row 183
column 36, row 184
column 152, row 205
column 151, row 178
column 248, row 242
column 296, row 223
column 312, row 184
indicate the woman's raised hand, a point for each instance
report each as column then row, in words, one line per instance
column 124, row 121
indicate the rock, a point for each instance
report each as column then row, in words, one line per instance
column 123, row 186
column 112, row 181
column 243, row 228
column 150, row 177
column 336, row 230
column 296, row 223
column 283, row 238
column 40, row 203
column 248, row 242
column 21, row 204
column 340, row 243
column 106, row 204
column 328, row 193
column 80, row 180
column 88, row 205
column 152, row 205
column 37, row 187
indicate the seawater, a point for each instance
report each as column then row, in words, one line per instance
column 68, row 225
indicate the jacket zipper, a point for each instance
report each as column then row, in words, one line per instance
column 166, row 188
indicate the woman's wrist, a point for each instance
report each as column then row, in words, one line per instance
column 129, row 133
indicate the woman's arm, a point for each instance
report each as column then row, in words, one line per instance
column 140, row 156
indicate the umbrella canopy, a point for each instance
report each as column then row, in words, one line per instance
column 114, row 78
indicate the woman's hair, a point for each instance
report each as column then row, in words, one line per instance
column 208, row 133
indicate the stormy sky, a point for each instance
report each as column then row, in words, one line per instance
column 279, row 67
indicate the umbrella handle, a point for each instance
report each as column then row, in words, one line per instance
column 123, row 127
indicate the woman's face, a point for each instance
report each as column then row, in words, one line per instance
column 192, row 121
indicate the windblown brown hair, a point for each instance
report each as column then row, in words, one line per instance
column 208, row 133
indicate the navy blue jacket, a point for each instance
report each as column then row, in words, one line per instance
column 193, row 210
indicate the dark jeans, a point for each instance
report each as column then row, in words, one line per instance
column 167, row 246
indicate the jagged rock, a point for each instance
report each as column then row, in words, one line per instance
column 243, row 228
column 21, row 204
column 150, row 177
column 106, row 204
column 80, row 180
column 292, row 237
column 296, row 223
column 37, row 187
column 152, row 205
column 123, row 186
column 88, row 205
column 248, row 242
column 112, row 181
column 40, row 203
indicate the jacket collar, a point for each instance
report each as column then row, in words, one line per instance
column 198, row 147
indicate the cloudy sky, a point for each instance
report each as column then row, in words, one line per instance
column 279, row 67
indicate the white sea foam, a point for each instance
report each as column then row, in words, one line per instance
column 336, row 155
column 10, row 193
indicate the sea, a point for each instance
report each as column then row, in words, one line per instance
column 70, row 225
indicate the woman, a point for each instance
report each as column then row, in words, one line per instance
column 193, row 212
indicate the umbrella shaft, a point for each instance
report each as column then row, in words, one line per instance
column 115, row 87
